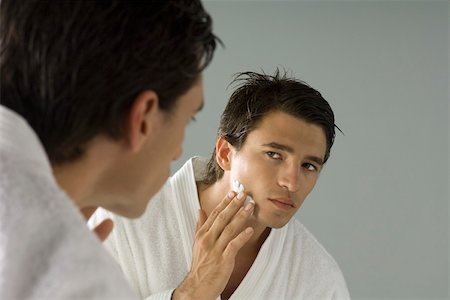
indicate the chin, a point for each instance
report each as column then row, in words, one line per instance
column 135, row 213
column 272, row 221
column 130, row 209
column 135, row 207
column 278, row 225
column 275, row 220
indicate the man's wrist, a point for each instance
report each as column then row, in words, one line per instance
column 189, row 290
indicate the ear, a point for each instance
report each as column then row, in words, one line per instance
column 223, row 153
column 142, row 119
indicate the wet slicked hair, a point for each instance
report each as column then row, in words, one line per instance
column 259, row 94
column 73, row 69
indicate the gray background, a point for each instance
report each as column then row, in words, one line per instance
column 381, row 206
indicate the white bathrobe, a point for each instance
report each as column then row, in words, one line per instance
column 46, row 249
column 155, row 251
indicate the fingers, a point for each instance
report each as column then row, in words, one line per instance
column 104, row 229
column 235, row 226
column 88, row 211
column 218, row 239
column 222, row 205
column 225, row 219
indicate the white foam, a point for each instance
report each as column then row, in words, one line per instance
column 238, row 187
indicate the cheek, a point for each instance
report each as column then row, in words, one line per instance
column 312, row 182
column 254, row 175
column 177, row 135
column 243, row 166
column 308, row 186
column 178, row 143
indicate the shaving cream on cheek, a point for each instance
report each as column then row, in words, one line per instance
column 239, row 188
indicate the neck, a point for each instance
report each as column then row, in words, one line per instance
column 77, row 181
column 211, row 196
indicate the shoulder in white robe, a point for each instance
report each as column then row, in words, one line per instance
column 46, row 249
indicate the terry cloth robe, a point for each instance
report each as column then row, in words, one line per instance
column 155, row 251
column 46, row 249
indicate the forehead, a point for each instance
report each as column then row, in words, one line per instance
column 283, row 128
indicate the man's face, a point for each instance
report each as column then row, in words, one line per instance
column 279, row 165
column 146, row 173
column 168, row 145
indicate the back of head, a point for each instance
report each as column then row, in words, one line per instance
column 259, row 94
column 72, row 69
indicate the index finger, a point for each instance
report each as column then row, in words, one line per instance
column 225, row 218
column 217, row 210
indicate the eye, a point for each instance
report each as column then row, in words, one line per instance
column 310, row 167
column 273, row 155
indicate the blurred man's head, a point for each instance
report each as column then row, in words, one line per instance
column 127, row 73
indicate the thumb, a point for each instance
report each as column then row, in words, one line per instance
column 104, row 229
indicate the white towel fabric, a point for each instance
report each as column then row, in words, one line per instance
column 155, row 251
column 46, row 249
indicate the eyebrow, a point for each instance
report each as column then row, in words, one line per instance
column 289, row 149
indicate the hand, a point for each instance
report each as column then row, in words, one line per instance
column 104, row 228
column 218, row 240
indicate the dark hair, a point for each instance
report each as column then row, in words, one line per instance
column 72, row 69
column 259, row 94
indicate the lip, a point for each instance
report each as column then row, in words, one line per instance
column 282, row 203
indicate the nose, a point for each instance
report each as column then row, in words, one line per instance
column 289, row 177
